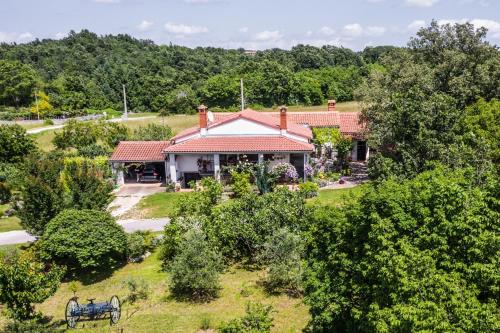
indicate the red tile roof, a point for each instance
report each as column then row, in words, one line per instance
column 348, row 122
column 242, row 144
column 139, row 151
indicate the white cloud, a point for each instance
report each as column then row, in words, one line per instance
column 415, row 25
column 144, row 25
column 268, row 36
column 375, row 1
column 492, row 26
column 243, row 29
column 374, row 31
column 309, row 32
column 421, row 3
column 182, row 29
column 353, row 30
column 13, row 37
column 327, row 31
column 60, row 35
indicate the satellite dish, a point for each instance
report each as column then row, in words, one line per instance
column 210, row 116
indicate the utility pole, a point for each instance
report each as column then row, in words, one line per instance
column 125, row 114
column 242, row 95
column 37, row 109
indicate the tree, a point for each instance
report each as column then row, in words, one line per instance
column 24, row 281
column 17, row 83
column 195, row 269
column 415, row 107
column 76, row 134
column 153, row 132
column 282, row 253
column 181, row 100
column 411, row 256
column 41, row 203
column 221, row 90
column 42, row 105
column 16, row 144
column 87, row 183
column 84, row 240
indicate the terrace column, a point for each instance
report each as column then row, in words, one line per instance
column 217, row 167
column 367, row 152
column 261, row 158
column 173, row 170
column 306, row 160
column 118, row 171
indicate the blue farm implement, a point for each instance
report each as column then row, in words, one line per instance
column 92, row 311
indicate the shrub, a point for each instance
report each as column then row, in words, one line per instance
column 139, row 242
column 153, row 132
column 195, row 269
column 48, row 121
column 24, row 281
column 174, row 235
column 5, row 193
column 241, row 183
column 264, row 179
column 93, row 150
column 138, row 289
column 240, row 227
column 285, row 171
column 309, row 189
column 257, row 319
column 282, row 254
column 86, row 239
column 28, row 326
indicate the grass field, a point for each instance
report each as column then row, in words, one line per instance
column 8, row 223
column 156, row 205
column 338, row 196
column 162, row 313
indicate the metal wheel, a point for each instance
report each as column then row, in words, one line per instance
column 70, row 314
column 115, row 310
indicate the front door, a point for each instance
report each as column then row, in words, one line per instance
column 297, row 160
column 361, row 151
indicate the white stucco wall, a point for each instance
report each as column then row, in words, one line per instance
column 187, row 163
column 242, row 127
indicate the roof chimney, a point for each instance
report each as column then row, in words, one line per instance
column 332, row 104
column 202, row 111
column 283, row 125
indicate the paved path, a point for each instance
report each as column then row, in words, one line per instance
column 21, row 236
column 129, row 195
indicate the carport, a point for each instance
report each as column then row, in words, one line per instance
column 130, row 156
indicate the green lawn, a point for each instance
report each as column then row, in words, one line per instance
column 8, row 223
column 156, row 205
column 162, row 313
column 337, row 197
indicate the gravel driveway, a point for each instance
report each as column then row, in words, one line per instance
column 129, row 195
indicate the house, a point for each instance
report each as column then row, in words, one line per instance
column 222, row 139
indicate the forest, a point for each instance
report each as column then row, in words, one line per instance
column 84, row 73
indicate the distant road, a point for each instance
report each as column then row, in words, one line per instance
column 53, row 127
column 21, row 236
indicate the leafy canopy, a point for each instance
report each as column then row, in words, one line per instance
column 421, row 255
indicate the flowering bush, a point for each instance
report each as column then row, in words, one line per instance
column 285, row 170
column 308, row 170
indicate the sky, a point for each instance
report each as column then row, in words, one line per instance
column 251, row 24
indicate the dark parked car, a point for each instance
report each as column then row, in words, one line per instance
column 149, row 174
